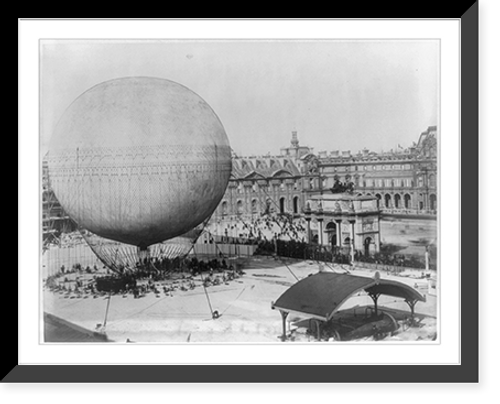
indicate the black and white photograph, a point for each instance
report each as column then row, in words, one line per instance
column 240, row 191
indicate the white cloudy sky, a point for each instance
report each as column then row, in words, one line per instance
column 337, row 95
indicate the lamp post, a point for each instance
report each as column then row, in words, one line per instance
column 319, row 218
column 307, row 216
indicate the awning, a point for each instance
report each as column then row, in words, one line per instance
column 321, row 295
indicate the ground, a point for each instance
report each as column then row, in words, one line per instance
column 244, row 305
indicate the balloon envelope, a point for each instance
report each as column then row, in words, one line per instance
column 139, row 160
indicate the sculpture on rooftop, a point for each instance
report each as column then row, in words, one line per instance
column 342, row 187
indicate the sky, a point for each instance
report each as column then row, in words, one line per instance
column 337, row 95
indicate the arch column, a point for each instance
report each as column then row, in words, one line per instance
column 320, row 232
column 352, row 221
column 339, row 232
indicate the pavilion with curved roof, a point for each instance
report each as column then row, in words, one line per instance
column 321, row 295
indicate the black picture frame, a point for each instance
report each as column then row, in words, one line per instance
column 465, row 372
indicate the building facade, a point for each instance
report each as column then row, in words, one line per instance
column 259, row 185
column 344, row 222
column 405, row 180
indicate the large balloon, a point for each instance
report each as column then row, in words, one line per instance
column 139, row 160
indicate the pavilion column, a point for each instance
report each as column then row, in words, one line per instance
column 318, row 330
column 284, row 315
column 375, row 297
column 412, row 304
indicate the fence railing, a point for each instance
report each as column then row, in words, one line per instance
column 228, row 250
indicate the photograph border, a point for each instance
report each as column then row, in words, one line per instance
column 466, row 371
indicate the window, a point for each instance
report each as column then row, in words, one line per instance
column 433, row 202
column 388, row 182
column 397, row 201
column 296, row 204
column 254, row 206
column 239, row 207
column 282, row 205
column 387, row 200
column 407, row 198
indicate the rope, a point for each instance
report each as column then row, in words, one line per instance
column 214, row 314
column 206, row 294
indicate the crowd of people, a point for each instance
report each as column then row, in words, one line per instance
column 396, row 260
column 261, row 229
column 175, row 275
column 301, row 250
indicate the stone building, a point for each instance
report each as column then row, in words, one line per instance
column 404, row 180
column 262, row 184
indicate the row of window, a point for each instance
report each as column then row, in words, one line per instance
column 366, row 183
column 387, row 182
column 373, row 168
column 281, row 187
column 256, row 206
column 399, row 201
